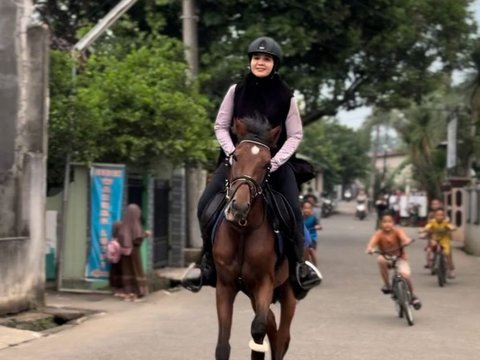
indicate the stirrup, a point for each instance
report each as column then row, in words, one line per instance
column 310, row 280
column 193, row 284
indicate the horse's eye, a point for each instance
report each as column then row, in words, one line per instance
column 234, row 157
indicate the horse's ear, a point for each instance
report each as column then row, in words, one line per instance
column 275, row 135
column 239, row 128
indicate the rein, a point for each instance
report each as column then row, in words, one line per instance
column 255, row 188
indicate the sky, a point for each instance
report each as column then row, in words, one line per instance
column 356, row 117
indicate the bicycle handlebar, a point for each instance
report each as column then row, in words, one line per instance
column 387, row 255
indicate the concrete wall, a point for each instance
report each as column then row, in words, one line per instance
column 456, row 202
column 196, row 182
column 178, row 212
column 23, row 102
column 9, row 100
column 472, row 228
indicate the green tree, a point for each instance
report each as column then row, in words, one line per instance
column 66, row 17
column 340, row 54
column 471, row 88
column 422, row 129
column 340, row 150
column 131, row 108
column 337, row 54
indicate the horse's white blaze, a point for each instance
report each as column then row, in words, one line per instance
column 255, row 150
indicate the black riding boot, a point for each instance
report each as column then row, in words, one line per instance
column 210, row 204
column 304, row 274
column 207, row 266
column 202, row 272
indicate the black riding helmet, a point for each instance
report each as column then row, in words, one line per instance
column 266, row 45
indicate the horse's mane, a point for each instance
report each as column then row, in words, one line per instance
column 258, row 128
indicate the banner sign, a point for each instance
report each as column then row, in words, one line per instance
column 106, row 199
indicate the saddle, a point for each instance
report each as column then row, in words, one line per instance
column 279, row 212
column 210, row 214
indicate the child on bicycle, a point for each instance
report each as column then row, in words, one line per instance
column 434, row 205
column 440, row 231
column 390, row 239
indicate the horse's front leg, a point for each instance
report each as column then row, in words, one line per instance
column 288, row 304
column 263, row 298
column 271, row 328
column 225, row 297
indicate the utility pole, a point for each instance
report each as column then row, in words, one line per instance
column 190, row 37
column 195, row 176
column 104, row 24
column 374, row 162
column 452, row 142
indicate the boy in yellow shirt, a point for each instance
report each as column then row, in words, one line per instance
column 440, row 230
column 434, row 205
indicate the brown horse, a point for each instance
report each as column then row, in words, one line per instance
column 244, row 248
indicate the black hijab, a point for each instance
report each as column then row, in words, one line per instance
column 269, row 96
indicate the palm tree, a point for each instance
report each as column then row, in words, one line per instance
column 422, row 128
column 472, row 89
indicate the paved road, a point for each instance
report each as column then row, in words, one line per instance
column 346, row 319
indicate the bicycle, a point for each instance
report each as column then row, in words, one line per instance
column 439, row 264
column 400, row 291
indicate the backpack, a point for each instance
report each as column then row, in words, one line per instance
column 113, row 251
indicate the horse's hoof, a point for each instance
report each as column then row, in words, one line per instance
column 263, row 348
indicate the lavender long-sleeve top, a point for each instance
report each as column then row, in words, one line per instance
column 293, row 125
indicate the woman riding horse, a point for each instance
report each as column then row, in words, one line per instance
column 261, row 92
column 248, row 256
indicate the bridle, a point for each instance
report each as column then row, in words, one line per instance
column 255, row 189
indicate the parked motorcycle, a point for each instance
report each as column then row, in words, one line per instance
column 348, row 195
column 327, row 207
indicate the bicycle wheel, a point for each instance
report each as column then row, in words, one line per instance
column 399, row 296
column 433, row 270
column 405, row 303
column 441, row 270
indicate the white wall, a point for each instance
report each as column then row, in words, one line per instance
column 472, row 228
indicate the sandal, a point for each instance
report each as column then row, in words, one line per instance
column 130, row 297
column 416, row 303
column 386, row 289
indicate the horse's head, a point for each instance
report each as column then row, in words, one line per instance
column 250, row 164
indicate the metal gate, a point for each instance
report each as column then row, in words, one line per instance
column 160, row 223
column 136, row 191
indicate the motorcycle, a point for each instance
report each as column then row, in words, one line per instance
column 413, row 214
column 361, row 210
column 327, row 207
column 347, row 196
